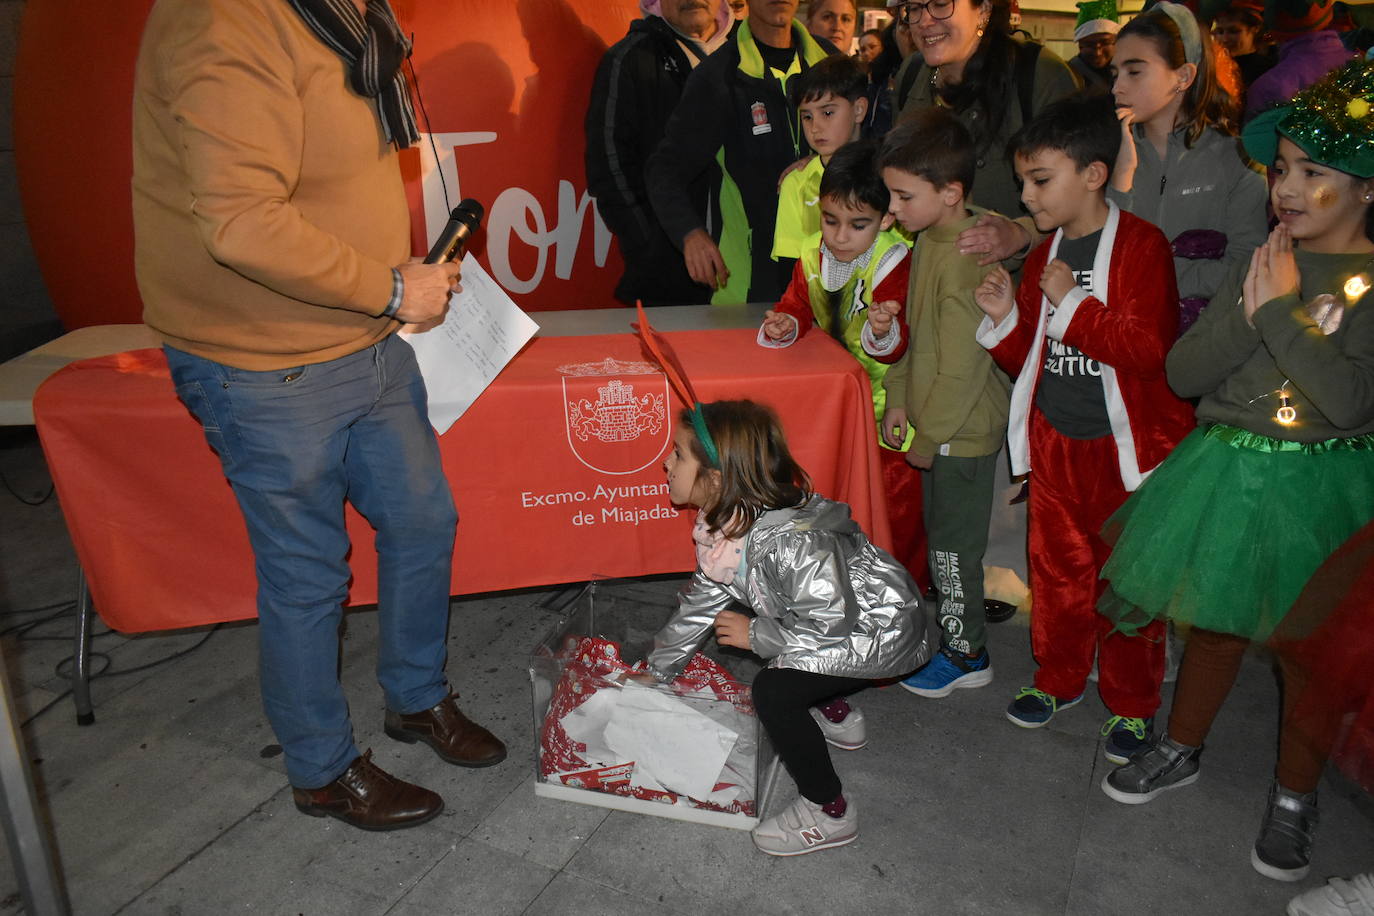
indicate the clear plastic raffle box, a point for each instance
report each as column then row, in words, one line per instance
column 691, row 750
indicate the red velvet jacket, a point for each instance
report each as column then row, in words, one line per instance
column 1134, row 271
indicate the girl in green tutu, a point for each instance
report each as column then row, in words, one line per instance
column 1280, row 471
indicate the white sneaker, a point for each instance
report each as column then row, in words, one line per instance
column 803, row 827
column 1337, row 897
column 848, row 734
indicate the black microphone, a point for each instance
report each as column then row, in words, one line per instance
column 462, row 223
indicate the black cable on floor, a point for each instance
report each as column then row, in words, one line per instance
column 70, row 660
column 28, row 502
column 152, row 664
column 49, row 705
column 15, row 612
column 22, row 628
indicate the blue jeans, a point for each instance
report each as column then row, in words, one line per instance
column 295, row 444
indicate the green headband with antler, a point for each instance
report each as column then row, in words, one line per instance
column 667, row 360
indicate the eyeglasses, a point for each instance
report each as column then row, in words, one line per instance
column 938, row 9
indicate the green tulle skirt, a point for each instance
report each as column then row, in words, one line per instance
column 1225, row 533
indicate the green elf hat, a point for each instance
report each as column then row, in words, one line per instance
column 1094, row 17
column 1332, row 121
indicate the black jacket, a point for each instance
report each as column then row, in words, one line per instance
column 734, row 111
column 637, row 87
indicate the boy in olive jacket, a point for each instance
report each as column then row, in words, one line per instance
column 943, row 385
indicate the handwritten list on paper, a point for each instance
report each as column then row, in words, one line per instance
column 482, row 331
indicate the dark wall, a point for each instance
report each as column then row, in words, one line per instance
column 26, row 314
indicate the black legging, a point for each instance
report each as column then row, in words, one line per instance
column 783, row 698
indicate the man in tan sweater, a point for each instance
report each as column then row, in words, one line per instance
column 271, row 245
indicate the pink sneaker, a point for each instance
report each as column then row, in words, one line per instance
column 803, row 827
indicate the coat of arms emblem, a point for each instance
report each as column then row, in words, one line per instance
column 758, row 113
column 616, row 413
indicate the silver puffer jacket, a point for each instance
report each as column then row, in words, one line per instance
column 825, row 599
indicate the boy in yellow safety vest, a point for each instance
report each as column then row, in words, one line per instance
column 831, row 106
column 854, row 261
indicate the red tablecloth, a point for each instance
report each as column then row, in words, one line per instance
column 556, row 470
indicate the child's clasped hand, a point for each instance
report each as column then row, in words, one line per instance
column 996, row 294
column 881, row 315
column 779, row 325
column 1273, row 272
column 1056, row 281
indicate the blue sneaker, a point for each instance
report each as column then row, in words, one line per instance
column 1125, row 736
column 948, row 671
column 1033, row 708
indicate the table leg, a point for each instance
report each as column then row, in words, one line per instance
column 81, row 654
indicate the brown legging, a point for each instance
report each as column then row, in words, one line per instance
column 1205, row 677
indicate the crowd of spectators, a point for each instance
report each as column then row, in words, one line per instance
column 695, row 223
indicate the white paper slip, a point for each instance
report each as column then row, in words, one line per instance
column 676, row 746
column 459, row 358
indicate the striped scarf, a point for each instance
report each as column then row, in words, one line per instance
column 374, row 47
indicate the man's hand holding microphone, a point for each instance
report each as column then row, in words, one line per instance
column 427, row 285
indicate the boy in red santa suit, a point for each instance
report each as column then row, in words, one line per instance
column 1085, row 337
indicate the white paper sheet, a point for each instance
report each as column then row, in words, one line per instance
column 481, row 332
column 677, row 746
column 587, row 724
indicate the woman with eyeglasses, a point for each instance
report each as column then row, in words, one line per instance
column 967, row 60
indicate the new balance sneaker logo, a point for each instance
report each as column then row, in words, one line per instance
column 804, row 827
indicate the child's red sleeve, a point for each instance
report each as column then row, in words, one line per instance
column 796, row 301
column 1014, row 345
column 1136, row 332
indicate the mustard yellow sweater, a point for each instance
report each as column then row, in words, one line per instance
column 268, row 209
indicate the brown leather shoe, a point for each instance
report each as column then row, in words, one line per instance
column 454, row 737
column 367, row 797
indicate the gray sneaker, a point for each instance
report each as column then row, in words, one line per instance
column 803, row 827
column 1284, row 847
column 848, row 734
column 1161, row 765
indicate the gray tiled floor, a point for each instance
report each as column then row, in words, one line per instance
column 174, row 802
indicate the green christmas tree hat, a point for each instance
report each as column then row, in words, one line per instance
column 1095, row 16
column 1332, row 121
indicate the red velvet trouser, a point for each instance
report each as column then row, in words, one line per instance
column 902, row 492
column 1075, row 485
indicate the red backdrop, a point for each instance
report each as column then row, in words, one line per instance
column 505, row 85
